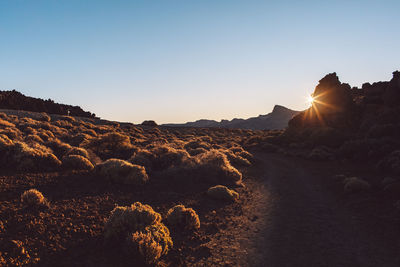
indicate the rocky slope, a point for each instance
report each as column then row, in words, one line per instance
column 17, row 101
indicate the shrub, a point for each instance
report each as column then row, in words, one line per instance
column 221, row 192
column 144, row 245
column 43, row 117
column 27, row 158
column 141, row 228
column 77, row 162
column 111, row 145
column 78, row 151
column 121, row 171
column 33, row 198
column 197, row 144
column 355, row 184
column 235, row 159
column 33, row 138
column 80, row 138
column 5, row 123
column 180, row 216
column 160, row 157
column 196, row 151
column 215, row 166
column 59, row 148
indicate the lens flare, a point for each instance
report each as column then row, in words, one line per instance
column 310, row 100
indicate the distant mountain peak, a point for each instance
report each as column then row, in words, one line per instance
column 277, row 119
column 279, row 108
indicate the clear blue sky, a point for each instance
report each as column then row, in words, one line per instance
column 176, row 61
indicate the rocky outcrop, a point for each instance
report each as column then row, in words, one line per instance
column 17, row 101
column 333, row 105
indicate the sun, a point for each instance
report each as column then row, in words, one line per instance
column 310, row 99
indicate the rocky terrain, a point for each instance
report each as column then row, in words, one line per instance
column 79, row 191
column 276, row 120
column 17, row 101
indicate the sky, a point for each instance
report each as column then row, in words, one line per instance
column 178, row 61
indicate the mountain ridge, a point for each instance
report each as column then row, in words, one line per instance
column 275, row 120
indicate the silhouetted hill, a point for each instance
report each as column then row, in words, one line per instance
column 15, row 100
column 277, row 119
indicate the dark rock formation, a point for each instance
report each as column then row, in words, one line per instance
column 333, row 105
column 16, row 100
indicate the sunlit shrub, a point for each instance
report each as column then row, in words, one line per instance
column 33, row 138
column 215, row 166
column 76, row 162
column 197, row 144
column 144, row 246
column 25, row 158
column 78, row 151
column 32, row 198
column 4, row 123
column 182, row 217
column 221, row 192
column 141, row 228
column 160, row 157
column 121, row 171
column 59, row 148
column 111, row 145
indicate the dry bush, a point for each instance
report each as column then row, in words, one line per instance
column 140, row 226
column 30, row 130
column 182, row 217
column 43, row 117
column 25, row 158
column 355, row 184
column 197, row 144
column 63, row 124
column 111, row 145
column 235, row 159
column 33, row 138
column 78, row 151
column 121, row 171
column 12, row 133
column 68, row 118
column 160, row 157
column 143, row 245
column 33, row 198
column 79, row 138
column 76, row 162
column 59, row 148
column 3, row 116
column 221, row 192
column 214, row 166
column 196, row 151
column 4, row 123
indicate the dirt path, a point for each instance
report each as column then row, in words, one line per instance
column 304, row 223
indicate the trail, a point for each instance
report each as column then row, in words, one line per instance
column 303, row 224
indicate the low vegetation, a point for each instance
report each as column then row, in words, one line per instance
column 223, row 193
column 181, row 217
